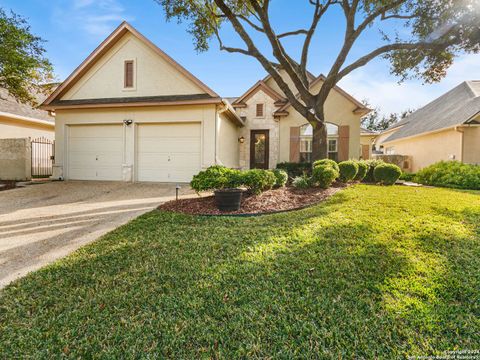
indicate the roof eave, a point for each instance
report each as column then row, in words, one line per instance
column 134, row 104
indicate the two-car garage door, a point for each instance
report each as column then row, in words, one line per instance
column 168, row 152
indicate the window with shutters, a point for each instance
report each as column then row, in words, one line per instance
column 129, row 74
column 306, row 137
column 260, row 110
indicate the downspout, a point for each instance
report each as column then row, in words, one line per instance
column 223, row 108
column 458, row 129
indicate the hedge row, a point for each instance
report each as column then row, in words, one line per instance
column 451, row 174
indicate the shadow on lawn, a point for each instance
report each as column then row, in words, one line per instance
column 306, row 283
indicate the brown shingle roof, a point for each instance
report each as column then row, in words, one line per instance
column 136, row 99
column 8, row 104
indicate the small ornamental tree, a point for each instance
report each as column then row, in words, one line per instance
column 24, row 70
column 427, row 36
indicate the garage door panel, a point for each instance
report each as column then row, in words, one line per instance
column 96, row 144
column 164, row 144
column 191, row 130
column 166, row 161
column 168, row 152
column 95, row 152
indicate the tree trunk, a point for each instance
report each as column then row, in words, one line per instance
column 319, row 141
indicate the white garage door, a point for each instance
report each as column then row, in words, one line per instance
column 168, row 152
column 95, row 152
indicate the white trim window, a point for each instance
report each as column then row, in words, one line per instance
column 306, row 137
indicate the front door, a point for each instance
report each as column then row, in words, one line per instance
column 259, row 142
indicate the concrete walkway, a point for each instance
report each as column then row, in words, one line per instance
column 44, row 222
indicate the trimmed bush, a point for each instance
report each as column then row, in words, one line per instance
column 451, row 174
column 387, row 174
column 372, row 164
column 348, row 170
column 324, row 176
column 281, row 177
column 216, row 177
column 407, row 176
column 301, row 182
column 330, row 162
column 295, row 169
column 258, row 180
column 362, row 170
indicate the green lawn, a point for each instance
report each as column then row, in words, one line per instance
column 374, row 272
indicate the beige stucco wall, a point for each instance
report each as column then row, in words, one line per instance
column 14, row 129
column 15, row 159
column 338, row 111
column 205, row 114
column 227, row 142
column 154, row 76
column 253, row 122
column 429, row 148
column 380, row 138
column 471, row 147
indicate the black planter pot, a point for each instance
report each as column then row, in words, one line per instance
column 228, row 199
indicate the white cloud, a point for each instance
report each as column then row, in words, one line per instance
column 375, row 84
column 96, row 17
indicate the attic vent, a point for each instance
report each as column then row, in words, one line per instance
column 128, row 83
column 259, row 111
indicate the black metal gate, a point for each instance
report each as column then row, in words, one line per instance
column 43, row 151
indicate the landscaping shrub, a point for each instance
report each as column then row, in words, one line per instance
column 407, row 176
column 295, row 169
column 372, row 164
column 216, row 177
column 301, row 182
column 330, row 162
column 387, row 174
column 348, row 170
column 258, row 180
column 324, row 176
column 281, row 177
column 362, row 170
column 452, row 174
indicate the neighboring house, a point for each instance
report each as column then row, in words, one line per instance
column 367, row 137
column 130, row 112
column 447, row 128
column 19, row 120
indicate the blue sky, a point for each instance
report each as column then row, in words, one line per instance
column 73, row 28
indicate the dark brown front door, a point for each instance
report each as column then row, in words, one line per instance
column 259, row 142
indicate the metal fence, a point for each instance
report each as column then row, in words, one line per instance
column 43, row 151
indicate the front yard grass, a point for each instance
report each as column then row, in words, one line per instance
column 374, row 272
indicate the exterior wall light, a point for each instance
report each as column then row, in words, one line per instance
column 241, row 139
column 128, row 122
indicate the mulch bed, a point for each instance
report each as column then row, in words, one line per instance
column 283, row 199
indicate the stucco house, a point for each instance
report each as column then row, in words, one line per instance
column 130, row 112
column 447, row 128
column 19, row 120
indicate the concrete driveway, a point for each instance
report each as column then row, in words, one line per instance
column 41, row 223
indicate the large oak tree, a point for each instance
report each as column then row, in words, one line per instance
column 24, row 69
column 437, row 30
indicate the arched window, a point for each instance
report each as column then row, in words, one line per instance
column 306, row 134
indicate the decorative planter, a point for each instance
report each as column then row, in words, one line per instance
column 228, row 199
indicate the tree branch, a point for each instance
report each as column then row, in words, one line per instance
column 290, row 33
column 253, row 51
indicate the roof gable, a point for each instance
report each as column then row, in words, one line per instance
column 123, row 42
column 360, row 108
column 453, row 108
column 260, row 85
